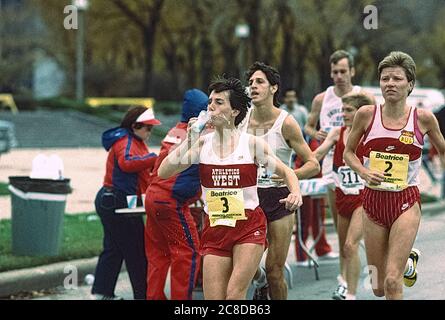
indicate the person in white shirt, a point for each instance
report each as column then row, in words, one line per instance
column 291, row 105
column 326, row 111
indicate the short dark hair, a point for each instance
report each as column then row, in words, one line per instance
column 288, row 89
column 272, row 75
column 238, row 98
column 131, row 117
column 400, row 59
column 340, row 54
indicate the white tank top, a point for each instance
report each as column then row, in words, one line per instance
column 390, row 147
column 236, row 171
column 274, row 137
column 331, row 114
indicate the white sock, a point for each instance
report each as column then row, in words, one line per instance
column 341, row 280
column 350, row 297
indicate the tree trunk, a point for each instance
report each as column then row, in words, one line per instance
column 324, row 66
column 288, row 54
column 206, row 61
column 253, row 19
column 148, row 66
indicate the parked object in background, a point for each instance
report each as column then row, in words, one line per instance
column 7, row 101
column 97, row 101
column 7, row 136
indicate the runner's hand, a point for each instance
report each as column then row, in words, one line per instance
column 276, row 178
column 190, row 123
column 190, row 134
column 373, row 177
column 293, row 201
column 321, row 135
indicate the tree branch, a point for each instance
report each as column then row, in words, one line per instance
column 130, row 13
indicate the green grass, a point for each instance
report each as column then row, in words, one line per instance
column 81, row 239
column 4, row 189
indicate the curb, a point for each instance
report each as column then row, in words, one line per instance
column 44, row 277
column 53, row 275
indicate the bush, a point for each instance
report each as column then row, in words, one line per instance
column 25, row 102
column 62, row 103
column 168, row 108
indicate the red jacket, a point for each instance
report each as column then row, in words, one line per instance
column 129, row 162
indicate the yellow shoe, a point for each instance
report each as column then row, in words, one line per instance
column 409, row 281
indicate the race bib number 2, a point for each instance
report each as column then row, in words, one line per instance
column 225, row 207
column 394, row 167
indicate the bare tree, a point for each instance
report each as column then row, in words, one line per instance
column 146, row 15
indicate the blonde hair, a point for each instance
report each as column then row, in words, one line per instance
column 400, row 59
column 356, row 100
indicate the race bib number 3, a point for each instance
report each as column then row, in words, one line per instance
column 394, row 167
column 225, row 206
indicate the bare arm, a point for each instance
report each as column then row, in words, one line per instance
column 294, row 137
column 264, row 155
column 361, row 122
column 327, row 144
column 429, row 124
column 314, row 116
column 182, row 157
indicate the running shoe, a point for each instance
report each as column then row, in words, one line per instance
column 262, row 293
column 409, row 281
column 340, row 292
column 104, row 297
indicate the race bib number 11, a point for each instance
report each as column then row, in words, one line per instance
column 349, row 181
column 394, row 167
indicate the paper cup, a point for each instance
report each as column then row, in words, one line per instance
column 132, row 201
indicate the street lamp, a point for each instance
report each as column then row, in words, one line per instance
column 242, row 32
column 82, row 6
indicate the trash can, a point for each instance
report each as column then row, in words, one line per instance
column 38, row 207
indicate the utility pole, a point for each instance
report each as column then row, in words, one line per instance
column 242, row 32
column 81, row 6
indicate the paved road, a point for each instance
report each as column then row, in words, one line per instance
column 57, row 129
column 69, row 129
column 430, row 284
